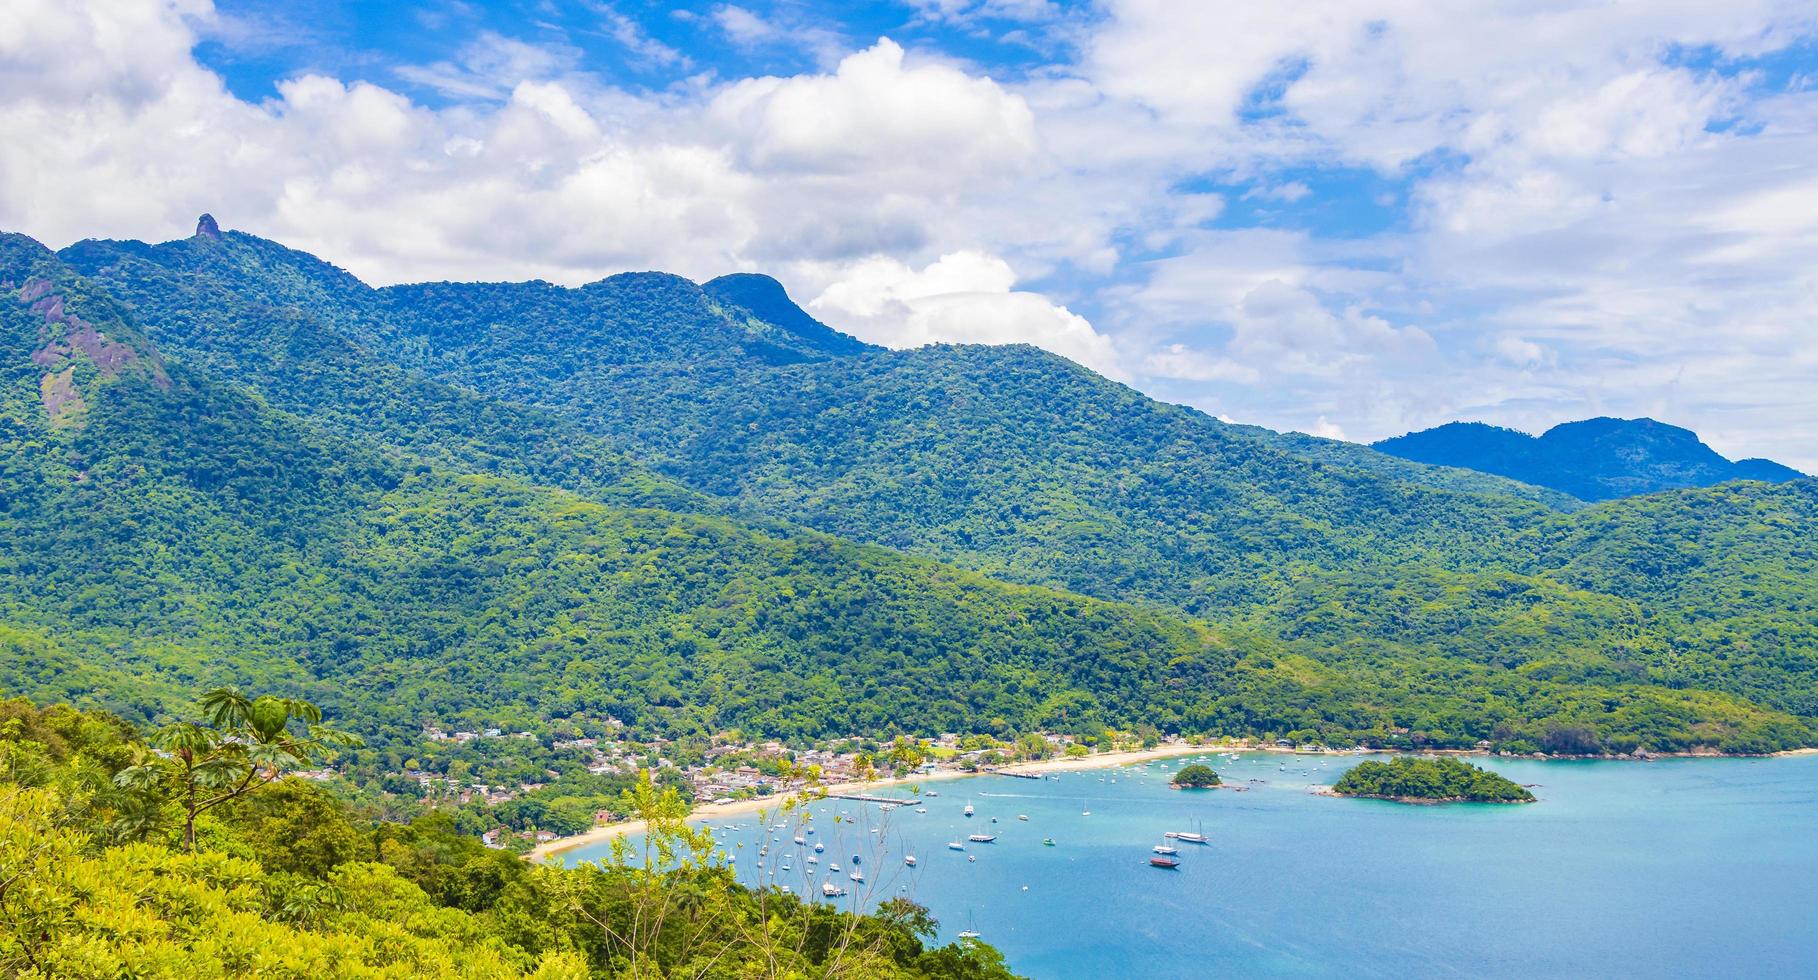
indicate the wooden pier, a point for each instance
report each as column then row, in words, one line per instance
column 863, row 798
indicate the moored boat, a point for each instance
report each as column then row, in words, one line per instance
column 1163, row 861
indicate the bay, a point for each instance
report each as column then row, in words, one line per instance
column 1675, row 867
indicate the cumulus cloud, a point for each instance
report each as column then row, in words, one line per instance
column 964, row 297
column 1599, row 208
column 878, row 116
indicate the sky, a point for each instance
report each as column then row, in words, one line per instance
column 1354, row 218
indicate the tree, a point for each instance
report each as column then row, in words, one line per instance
column 1196, row 776
column 244, row 745
column 1033, row 746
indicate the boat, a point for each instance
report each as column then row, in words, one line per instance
column 855, row 860
column 972, row 857
column 982, row 838
column 954, row 845
column 809, row 831
column 818, row 848
column 921, row 809
column 931, row 793
column 831, row 890
column 1047, row 842
column 1022, row 816
column 1189, row 836
column 1164, row 861
column 909, row 859
column 858, row 876
column 1165, row 849
column 968, row 810
column 799, row 841
column 813, row 860
column 833, row 866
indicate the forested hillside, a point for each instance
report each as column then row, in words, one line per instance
column 282, row 878
column 505, row 503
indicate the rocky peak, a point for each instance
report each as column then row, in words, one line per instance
column 206, row 227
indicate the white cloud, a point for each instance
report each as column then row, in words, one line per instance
column 878, row 116
column 1592, row 220
column 1182, row 362
column 745, row 27
column 964, row 297
column 489, row 67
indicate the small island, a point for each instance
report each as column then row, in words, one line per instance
column 1411, row 780
column 1195, row 776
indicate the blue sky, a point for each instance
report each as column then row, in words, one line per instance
column 1349, row 217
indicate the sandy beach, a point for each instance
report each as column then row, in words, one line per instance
column 711, row 811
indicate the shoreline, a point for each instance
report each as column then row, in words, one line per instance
column 1105, row 760
column 711, row 811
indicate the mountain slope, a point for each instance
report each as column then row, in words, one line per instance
column 290, row 522
column 305, row 337
column 1596, row 459
column 733, row 390
column 185, row 534
column 1023, row 464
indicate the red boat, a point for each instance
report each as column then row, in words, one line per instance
column 1163, row 861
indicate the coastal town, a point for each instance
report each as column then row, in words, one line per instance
column 516, row 789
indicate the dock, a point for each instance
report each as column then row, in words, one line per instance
column 863, row 798
column 1017, row 775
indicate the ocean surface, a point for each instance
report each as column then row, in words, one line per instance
column 1670, row 868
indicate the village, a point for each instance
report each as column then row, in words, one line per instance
column 519, row 789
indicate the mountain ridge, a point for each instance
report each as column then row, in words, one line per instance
column 1593, row 459
column 642, row 497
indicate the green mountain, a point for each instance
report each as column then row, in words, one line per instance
column 1007, row 460
column 690, row 508
column 1596, row 459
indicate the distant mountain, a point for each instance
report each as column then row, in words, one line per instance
column 1596, row 459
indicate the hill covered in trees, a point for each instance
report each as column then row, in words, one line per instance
column 1441, row 780
column 692, row 508
column 97, row 878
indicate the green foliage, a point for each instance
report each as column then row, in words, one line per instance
column 1437, row 780
column 283, row 883
column 419, row 504
column 1196, row 776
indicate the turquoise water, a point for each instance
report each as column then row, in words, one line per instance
column 1682, row 868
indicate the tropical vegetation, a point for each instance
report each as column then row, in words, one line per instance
column 692, row 508
column 1438, row 780
column 101, row 875
column 1195, row 776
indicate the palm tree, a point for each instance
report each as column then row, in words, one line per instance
column 245, row 744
